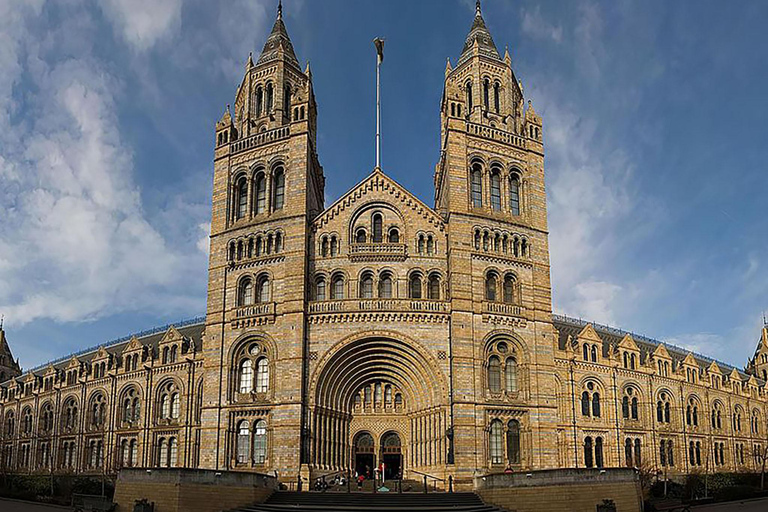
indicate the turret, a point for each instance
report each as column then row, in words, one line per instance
column 9, row 368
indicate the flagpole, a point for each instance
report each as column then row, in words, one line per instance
column 379, row 43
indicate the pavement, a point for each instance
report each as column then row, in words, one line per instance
column 758, row 505
column 7, row 505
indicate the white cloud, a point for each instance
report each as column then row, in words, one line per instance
column 143, row 22
column 75, row 243
column 536, row 26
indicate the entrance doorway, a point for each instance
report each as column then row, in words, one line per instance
column 391, row 455
column 364, row 453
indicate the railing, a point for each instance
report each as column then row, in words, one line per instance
column 500, row 308
column 495, row 134
column 260, row 139
column 351, row 305
column 435, row 479
column 268, row 308
column 378, row 251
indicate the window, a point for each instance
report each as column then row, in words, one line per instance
column 596, row 405
column 260, row 442
column 162, row 458
column 588, row 461
column 420, row 244
column 628, row 453
column 394, row 236
column 496, row 97
column 490, row 287
column 513, row 442
column 477, row 186
column 430, row 245
column 320, row 288
column 243, row 440
column 262, row 292
column 385, row 286
column 494, row 374
column 594, row 353
column 514, row 194
column 242, row 198
column 692, row 413
column 495, row 190
column 246, row 376
column 261, row 193
column 629, row 405
column 585, row 410
column 509, row 289
column 434, row 287
column 259, row 100
column 337, row 288
column 175, row 403
column 279, row 186
column 496, row 442
column 415, row 286
column 366, row 286
column 510, row 374
column 360, row 236
column 270, row 97
column 245, row 297
column 287, row 100
column 599, row 452
column 486, row 93
column 469, row 97
column 262, row 375
column 97, row 410
column 378, row 235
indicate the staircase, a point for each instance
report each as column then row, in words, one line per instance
column 282, row 501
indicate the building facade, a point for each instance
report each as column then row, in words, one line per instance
column 380, row 330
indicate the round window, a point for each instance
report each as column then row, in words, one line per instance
column 590, row 386
column 502, row 347
column 255, row 349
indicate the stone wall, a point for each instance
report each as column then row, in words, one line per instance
column 562, row 490
column 191, row 490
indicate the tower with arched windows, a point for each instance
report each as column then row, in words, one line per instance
column 9, row 367
column 268, row 185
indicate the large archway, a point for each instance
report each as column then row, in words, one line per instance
column 387, row 387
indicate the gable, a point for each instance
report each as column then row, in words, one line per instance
column 588, row 333
column 661, row 351
column 628, row 343
column 379, row 186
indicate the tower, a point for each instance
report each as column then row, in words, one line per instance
column 759, row 364
column 268, row 184
column 489, row 184
column 9, row 368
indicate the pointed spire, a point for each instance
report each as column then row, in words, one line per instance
column 308, row 70
column 448, row 67
column 278, row 39
column 249, row 64
column 480, row 36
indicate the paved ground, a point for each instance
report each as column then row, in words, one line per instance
column 760, row 505
column 25, row 506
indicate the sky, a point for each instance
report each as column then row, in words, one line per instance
column 655, row 122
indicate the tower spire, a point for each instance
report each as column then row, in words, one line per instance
column 280, row 9
column 477, row 8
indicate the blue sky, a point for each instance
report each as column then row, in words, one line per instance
column 655, row 114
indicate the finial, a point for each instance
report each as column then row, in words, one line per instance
column 2, row 321
column 280, row 9
column 477, row 8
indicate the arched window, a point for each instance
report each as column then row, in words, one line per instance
column 469, row 97
column 173, row 452
column 259, row 100
column 585, row 404
column 242, row 198
column 494, row 374
column 594, row 353
column 394, row 236
column 385, row 286
column 245, row 297
column 279, row 187
column 261, row 193
column 490, row 287
column 246, row 376
column 320, row 288
column 596, row 405
column 162, row 455
column 337, row 288
column 513, row 442
column 388, row 394
column 633, row 409
column 588, row 461
column 334, row 247
column 366, row 286
column 262, row 291
column 585, row 350
column 433, row 293
column 360, row 236
column 415, row 286
column 514, row 194
column 477, row 185
column 495, row 190
column 486, row 94
column 496, row 442
column 510, row 374
column 175, row 404
column 378, row 234
column 324, row 248
column 420, row 244
column 430, row 245
column 509, row 289
column 270, row 97
column 628, row 452
column 496, row 97
column 262, row 375
column 625, row 407
column 259, row 442
column 599, row 452
column 243, row 440
column 638, row 452
column 97, row 410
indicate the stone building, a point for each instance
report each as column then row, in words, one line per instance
column 380, row 329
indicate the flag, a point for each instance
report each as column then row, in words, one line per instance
column 379, row 48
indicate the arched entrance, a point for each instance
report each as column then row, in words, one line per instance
column 363, row 450
column 391, row 455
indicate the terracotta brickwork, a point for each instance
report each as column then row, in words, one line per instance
column 380, row 329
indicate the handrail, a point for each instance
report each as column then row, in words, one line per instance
column 428, row 475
